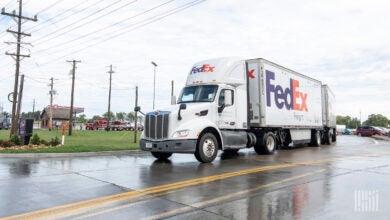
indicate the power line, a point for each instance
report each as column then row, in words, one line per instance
column 61, row 30
column 126, row 30
column 64, row 12
column 111, row 25
column 50, row 6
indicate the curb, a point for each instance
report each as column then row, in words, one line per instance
column 81, row 154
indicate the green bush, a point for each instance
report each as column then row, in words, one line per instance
column 44, row 142
column 35, row 140
column 1, row 143
column 7, row 144
column 55, row 141
column 15, row 140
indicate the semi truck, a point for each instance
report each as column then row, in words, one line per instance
column 229, row 104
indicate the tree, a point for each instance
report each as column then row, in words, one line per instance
column 105, row 115
column 120, row 115
column 377, row 120
column 96, row 117
column 347, row 121
column 140, row 118
column 36, row 116
column 82, row 118
column 130, row 116
column 6, row 114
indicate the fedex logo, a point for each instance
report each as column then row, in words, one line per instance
column 288, row 97
column 204, row 68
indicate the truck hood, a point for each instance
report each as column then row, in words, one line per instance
column 190, row 111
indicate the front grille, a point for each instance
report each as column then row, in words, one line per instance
column 156, row 125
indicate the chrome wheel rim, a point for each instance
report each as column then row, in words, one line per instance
column 208, row 147
column 270, row 143
column 318, row 139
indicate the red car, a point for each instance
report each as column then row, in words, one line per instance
column 369, row 131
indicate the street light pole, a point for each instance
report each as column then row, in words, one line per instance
column 154, row 82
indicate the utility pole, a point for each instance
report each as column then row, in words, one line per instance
column 33, row 111
column 72, row 95
column 17, row 57
column 109, row 98
column 51, row 104
column 135, row 115
column 154, row 81
column 173, row 100
column 19, row 102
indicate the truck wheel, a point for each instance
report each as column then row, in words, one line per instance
column 207, row 148
column 316, row 139
column 161, row 155
column 266, row 144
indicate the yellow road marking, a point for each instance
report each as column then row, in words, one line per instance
column 229, row 196
column 157, row 189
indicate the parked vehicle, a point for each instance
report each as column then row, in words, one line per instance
column 369, row 131
column 100, row 124
column 385, row 130
column 5, row 123
column 116, row 125
column 230, row 104
column 128, row 126
column 89, row 125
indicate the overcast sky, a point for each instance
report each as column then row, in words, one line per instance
column 345, row 44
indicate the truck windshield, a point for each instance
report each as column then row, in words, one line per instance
column 203, row 93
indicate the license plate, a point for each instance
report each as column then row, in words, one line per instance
column 148, row 145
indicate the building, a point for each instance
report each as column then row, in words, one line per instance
column 60, row 115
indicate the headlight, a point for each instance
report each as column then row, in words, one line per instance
column 181, row 134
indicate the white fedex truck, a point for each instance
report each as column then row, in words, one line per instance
column 230, row 104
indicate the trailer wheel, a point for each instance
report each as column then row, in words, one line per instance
column 266, row 144
column 328, row 138
column 334, row 136
column 161, row 155
column 316, row 138
column 207, row 148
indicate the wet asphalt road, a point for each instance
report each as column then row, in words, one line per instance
column 347, row 180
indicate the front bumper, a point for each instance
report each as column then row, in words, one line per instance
column 171, row 146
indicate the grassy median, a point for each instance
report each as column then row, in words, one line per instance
column 82, row 141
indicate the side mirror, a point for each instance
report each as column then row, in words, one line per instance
column 228, row 98
column 221, row 108
column 182, row 107
column 138, row 109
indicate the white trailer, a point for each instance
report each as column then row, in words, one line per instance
column 229, row 104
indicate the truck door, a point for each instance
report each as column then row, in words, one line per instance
column 226, row 118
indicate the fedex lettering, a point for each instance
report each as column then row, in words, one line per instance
column 288, row 97
column 204, row 68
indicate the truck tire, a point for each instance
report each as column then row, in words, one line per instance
column 316, row 139
column 266, row 144
column 207, row 148
column 161, row 155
